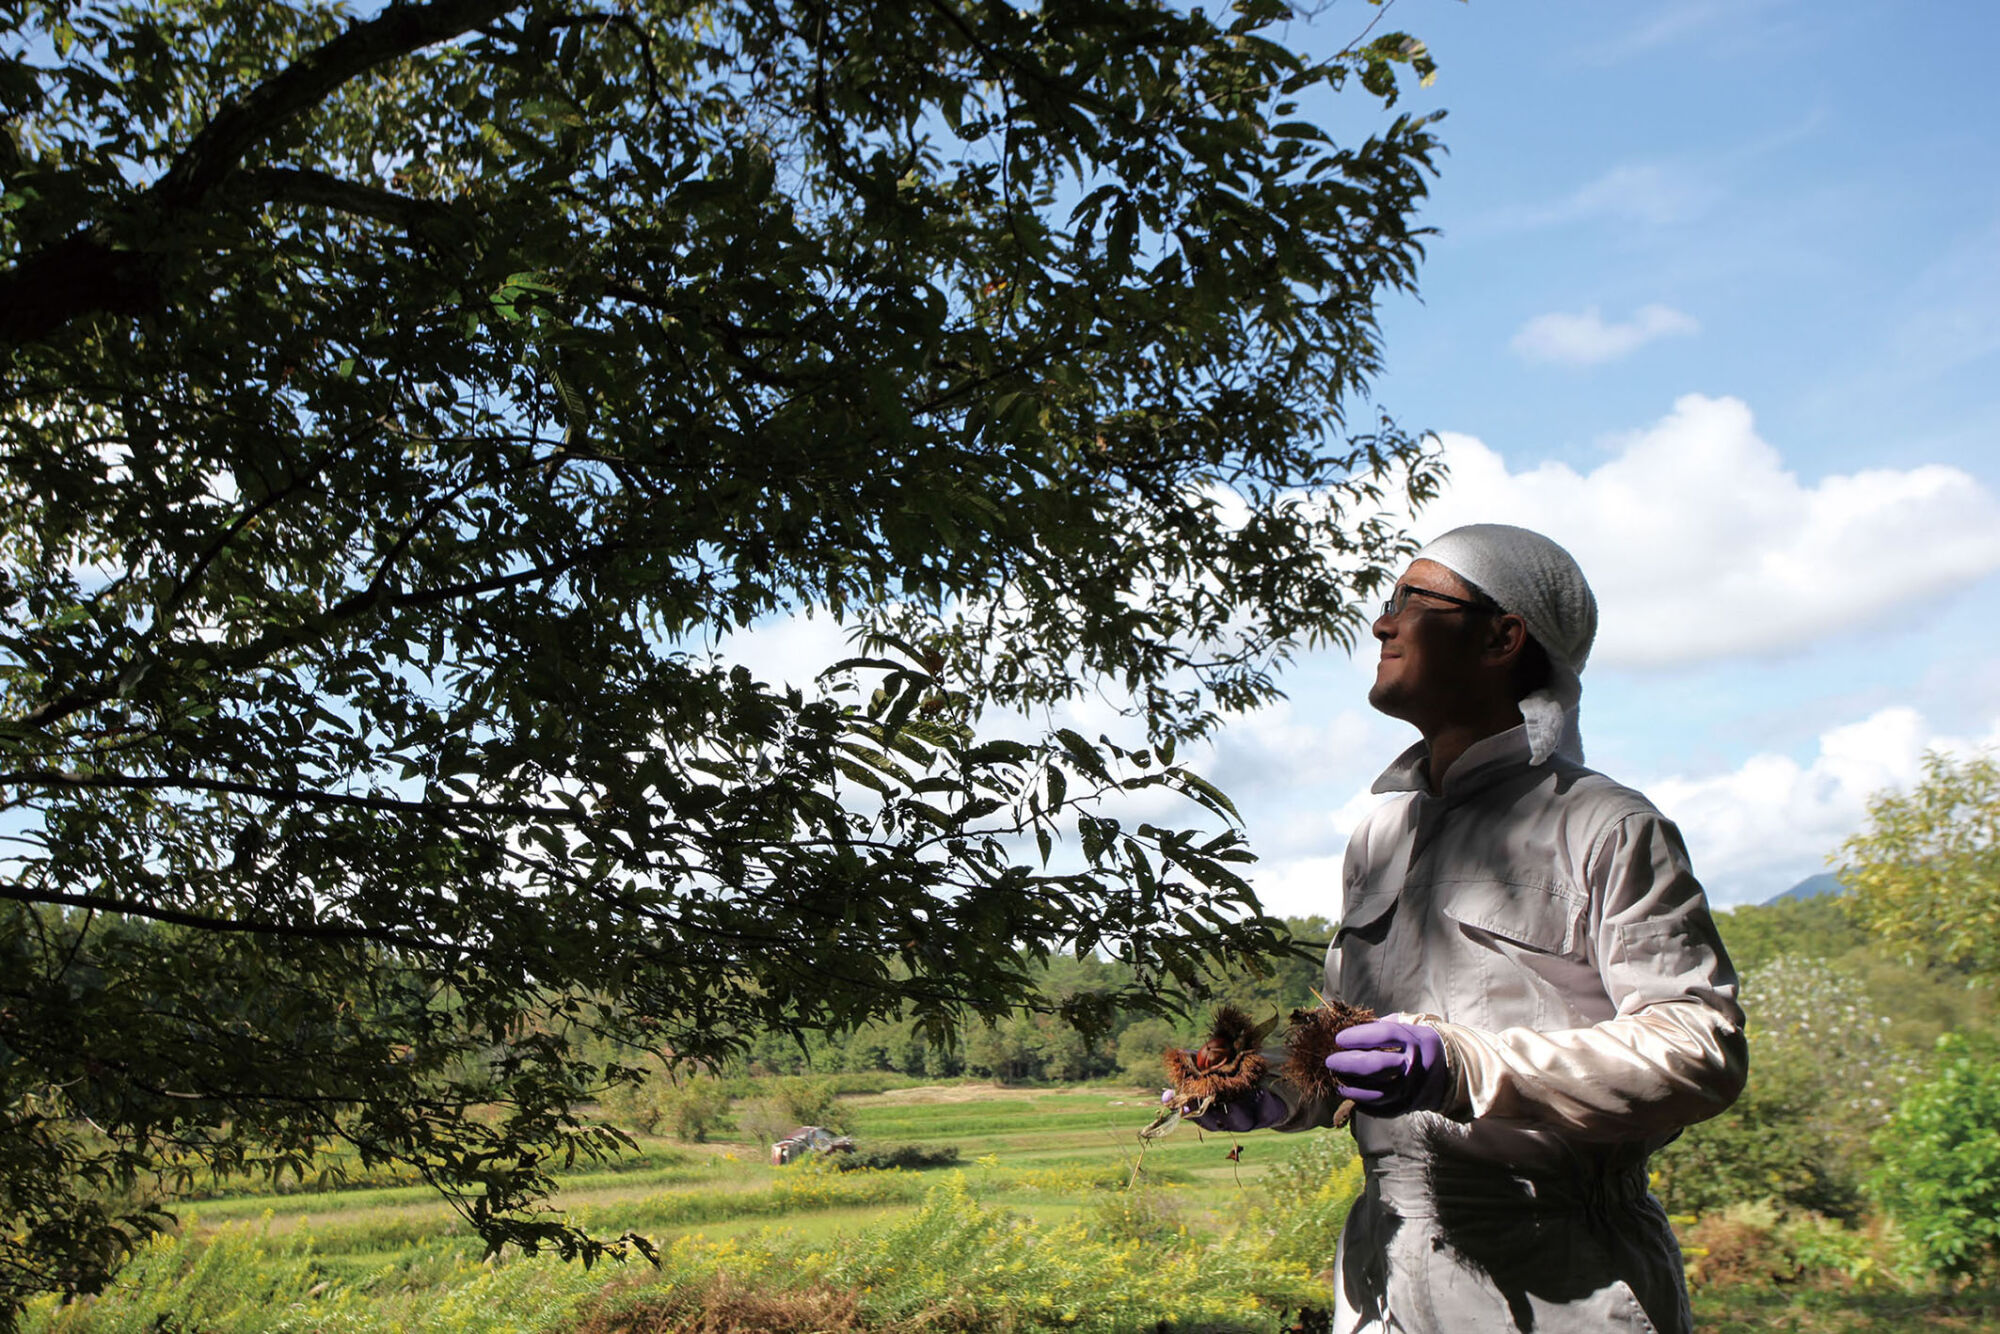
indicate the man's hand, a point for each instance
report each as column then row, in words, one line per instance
column 1260, row 1111
column 1389, row 1067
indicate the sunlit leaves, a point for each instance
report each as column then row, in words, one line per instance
column 395, row 409
column 1925, row 872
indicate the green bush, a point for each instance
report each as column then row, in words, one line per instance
column 688, row 1107
column 957, row 1265
column 246, row 1281
column 1144, row 1212
column 850, row 1082
column 1303, row 1202
column 1824, row 1076
column 903, row 1157
column 808, row 1102
column 763, row 1120
column 1940, row 1160
column 1139, row 1050
column 1766, row 1147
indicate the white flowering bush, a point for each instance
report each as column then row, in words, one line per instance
column 1824, row 1077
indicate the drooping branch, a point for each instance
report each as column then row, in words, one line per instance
column 90, row 272
column 298, row 185
column 239, row 127
column 202, row 921
column 444, row 812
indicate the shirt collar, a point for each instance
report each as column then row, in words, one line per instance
column 1483, row 761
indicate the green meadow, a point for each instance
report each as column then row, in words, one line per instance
column 1051, row 1218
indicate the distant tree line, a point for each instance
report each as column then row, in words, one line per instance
column 1036, row 1044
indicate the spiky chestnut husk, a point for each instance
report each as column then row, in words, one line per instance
column 1226, row 1065
column 1309, row 1042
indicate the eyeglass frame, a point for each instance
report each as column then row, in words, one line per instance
column 1401, row 594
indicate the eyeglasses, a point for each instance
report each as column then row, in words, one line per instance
column 1400, row 599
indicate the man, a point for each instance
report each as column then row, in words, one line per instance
column 1556, row 1003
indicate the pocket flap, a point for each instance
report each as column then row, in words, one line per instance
column 1539, row 917
column 1365, row 911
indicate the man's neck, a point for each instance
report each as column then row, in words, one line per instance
column 1449, row 743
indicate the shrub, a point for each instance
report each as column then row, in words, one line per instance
column 808, row 1102
column 1139, row 1048
column 687, row 1107
column 765, row 1121
column 1145, row 1213
column 690, row 1109
column 954, row 1265
column 1940, row 1170
column 869, row 1081
column 1766, row 1147
column 1304, row 1203
column 243, row 1280
column 728, row 1304
column 1754, row 1245
column 1739, row 1245
column 1824, row 1076
column 905, row 1157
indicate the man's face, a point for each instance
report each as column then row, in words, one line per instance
column 1430, row 663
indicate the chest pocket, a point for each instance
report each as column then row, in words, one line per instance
column 1511, row 952
column 1538, row 917
column 1367, row 915
column 1355, row 958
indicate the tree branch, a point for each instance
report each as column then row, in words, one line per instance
column 319, row 189
column 445, row 811
column 310, row 80
column 153, row 912
column 90, row 272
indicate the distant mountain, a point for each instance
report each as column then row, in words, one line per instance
column 1812, row 887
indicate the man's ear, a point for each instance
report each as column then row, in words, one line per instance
column 1506, row 637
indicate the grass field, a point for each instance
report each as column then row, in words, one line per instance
column 1045, row 1153
column 1039, row 1226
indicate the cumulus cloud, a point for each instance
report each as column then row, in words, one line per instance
column 1701, row 544
column 1764, row 826
column 1299, row 886
column 1752, row 831
column 785, row 650
column 1586, row 340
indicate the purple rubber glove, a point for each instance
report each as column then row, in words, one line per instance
column 1389, row 1067
column 1261, row 1112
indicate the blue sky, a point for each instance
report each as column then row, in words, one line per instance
column 1715, row 302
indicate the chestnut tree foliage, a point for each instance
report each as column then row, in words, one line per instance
column 397, row 403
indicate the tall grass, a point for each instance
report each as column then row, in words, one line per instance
column 1036, row 1231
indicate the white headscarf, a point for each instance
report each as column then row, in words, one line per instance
column 1533, row 578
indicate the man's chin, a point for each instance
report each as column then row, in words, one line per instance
column 1384, row 697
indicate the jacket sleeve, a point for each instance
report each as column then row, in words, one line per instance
column 1672, row 1054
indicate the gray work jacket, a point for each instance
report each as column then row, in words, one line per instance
column 1545, row 920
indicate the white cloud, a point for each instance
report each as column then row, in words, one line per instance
column 787, row 650
column 1669, row 25
column 1635, row 194
column 1701, row 544
column 1764, row 826
column 1720, row 27
column 1299, row 886
column 1586, row 340
column 1752, row 831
